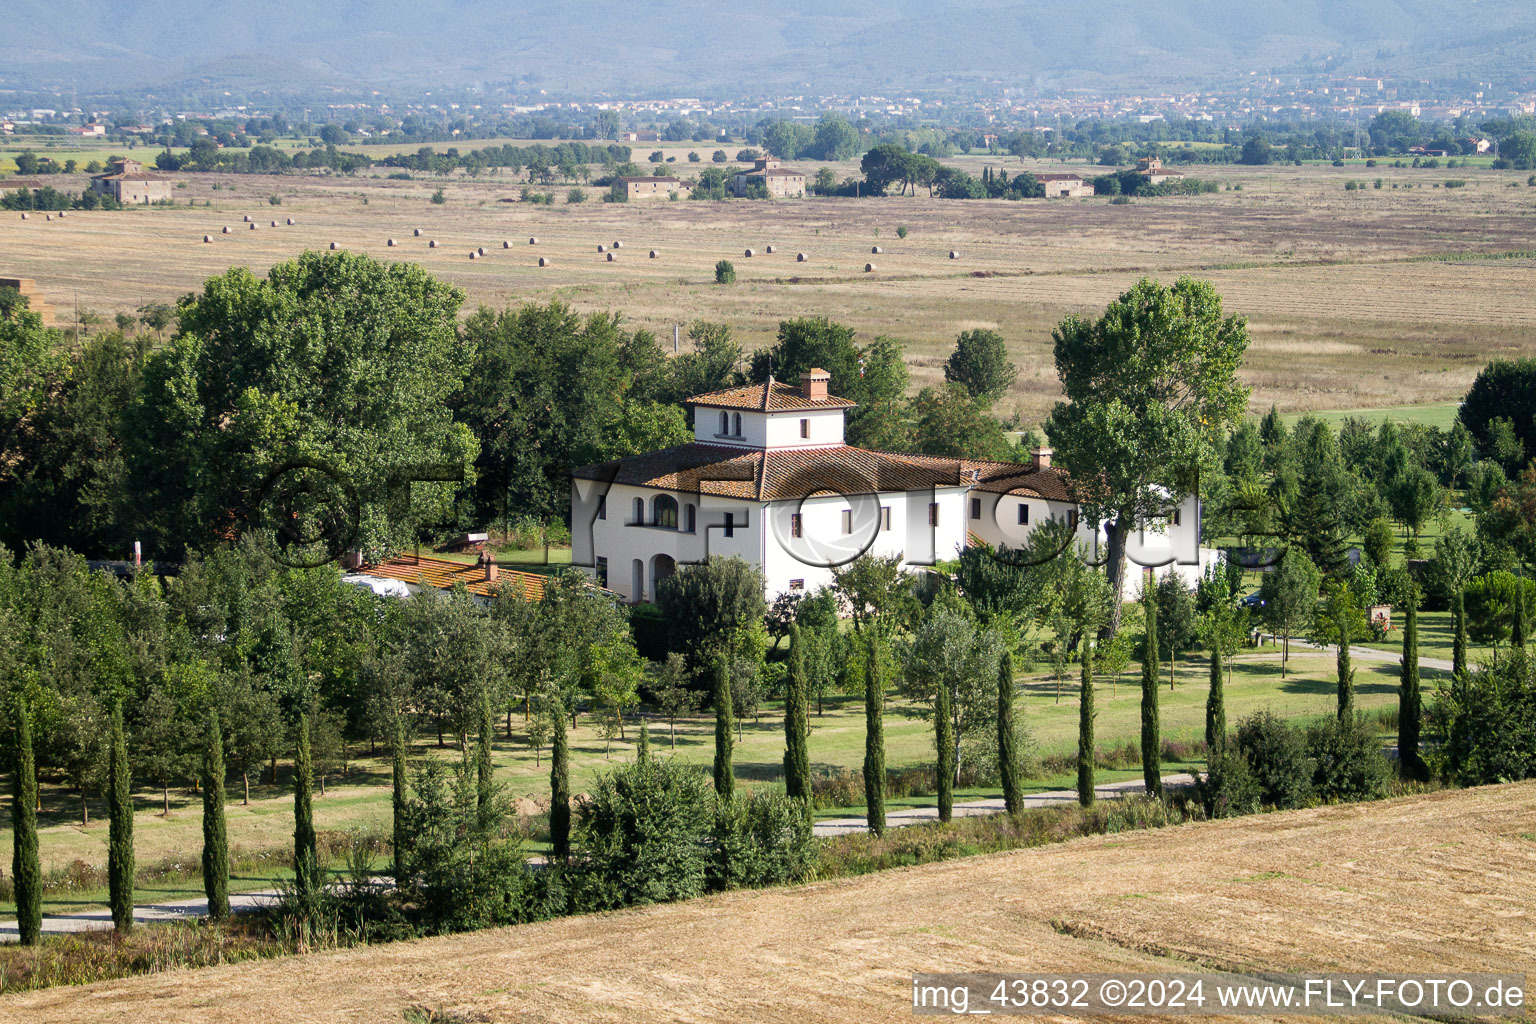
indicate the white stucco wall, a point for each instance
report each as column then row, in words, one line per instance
column 763, row 430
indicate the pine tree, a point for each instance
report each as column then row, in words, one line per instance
column 643, row 748
column 559, row 785
column 398, row 796
column 725, row 777
column 1409, row 705
column 120, row 866
column 1215, row 712
column 215, row 838
column 797, row 756
column 1007, row 737
column 306, row 861
column 26, row 869
column 1346, row 672
column 944, row 744
column 1085, row 715
column 1151, row 743
column 1459, row 639
column 874, row 734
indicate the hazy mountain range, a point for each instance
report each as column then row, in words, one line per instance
column 667, row 46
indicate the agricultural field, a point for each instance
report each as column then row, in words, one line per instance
column 1363, row 299
column 1323, row 889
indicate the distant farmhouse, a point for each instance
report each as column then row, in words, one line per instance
column 1064, row 185
column 655, row 188
column 128, row 182
column 642, row 136
column 1151, row 168
column 781, row 182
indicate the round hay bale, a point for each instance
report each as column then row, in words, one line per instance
column 953, row 254
column 227, row 229
column 389, row 242
column 602, row 248
column 543, row 261
column 416, row 233
column 506, row 244
column 247, row 218
column 533, row 241
column 290, row 222
column 875, row 250
column 800, row 257
column 749, row 252
column 61, row 215
column 274, row 223
column 767, row 248
column 23, row 216
column 50, row 216
column 335, row 246
column 869, row 268
column 431, row 243
column 654, row 254
column 610, row 257
column 618, row 245
column 207, row 238
column 473, row 255
column 480, row 250
column 253, row 225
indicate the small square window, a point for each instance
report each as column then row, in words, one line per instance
column 602, row 571
column 975, row 508
column 796, row 525
column 847, row 520
column 885, row 517
column 933, row 513
column 1023, row 514
column 805, row 428
column 1174, row 519
column 797, row 584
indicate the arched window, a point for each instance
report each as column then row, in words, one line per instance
column 690, row 520
column 736, row 425
column 639, row 511
column 725, row 422
column 664, row 511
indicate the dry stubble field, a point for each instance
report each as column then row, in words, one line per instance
column 1348, row 306
column 1443, row 882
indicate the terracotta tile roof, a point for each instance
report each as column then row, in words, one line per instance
column 443, row 574
column 774, row 474
column 1058, row 177
column 770, row 396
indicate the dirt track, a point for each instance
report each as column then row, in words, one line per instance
column 1443, row 882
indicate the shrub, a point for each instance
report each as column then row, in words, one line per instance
column 1277, row 756
column 725, row 272
column 650, row 628
column 1489, row 722
column 576, row 195
column 1120, row 201
column 1229, row 788
column 275, row 200
column 1347, row 760
column 901, row 231
column 693, row 157
column 438, row 198
column 1455, row 183
column 641, row 837
column 764, row 839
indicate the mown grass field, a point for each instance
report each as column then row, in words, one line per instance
column 1441, row 882
column 1355, row 300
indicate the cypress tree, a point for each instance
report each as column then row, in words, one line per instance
column 1409, row 706
column 944, row 743
column 120, row 829
column 215, row 838
column 1459, row 639
column 1085, row 715
column 725, row 777
column 397, row 801
column 26, row 869
column 1346, row 673
column 797, row 755
column 1215, row 712
column 485, row 782
column 874, row 734
column 1007, row 738
column 559, row 785
column 643, row 749
column 1517, row 627
column 1151, row 742
column 306, row 861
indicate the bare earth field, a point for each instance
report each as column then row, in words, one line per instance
column 1443, row 882
column 1351, row 298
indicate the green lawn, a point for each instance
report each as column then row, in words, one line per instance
column 1440, row 414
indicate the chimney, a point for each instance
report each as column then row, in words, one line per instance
column 489, row 561
column 1040, row 458
column 138, row 554
column 352, row 560
column 813, row 384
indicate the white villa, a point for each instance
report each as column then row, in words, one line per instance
column 768, row 477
